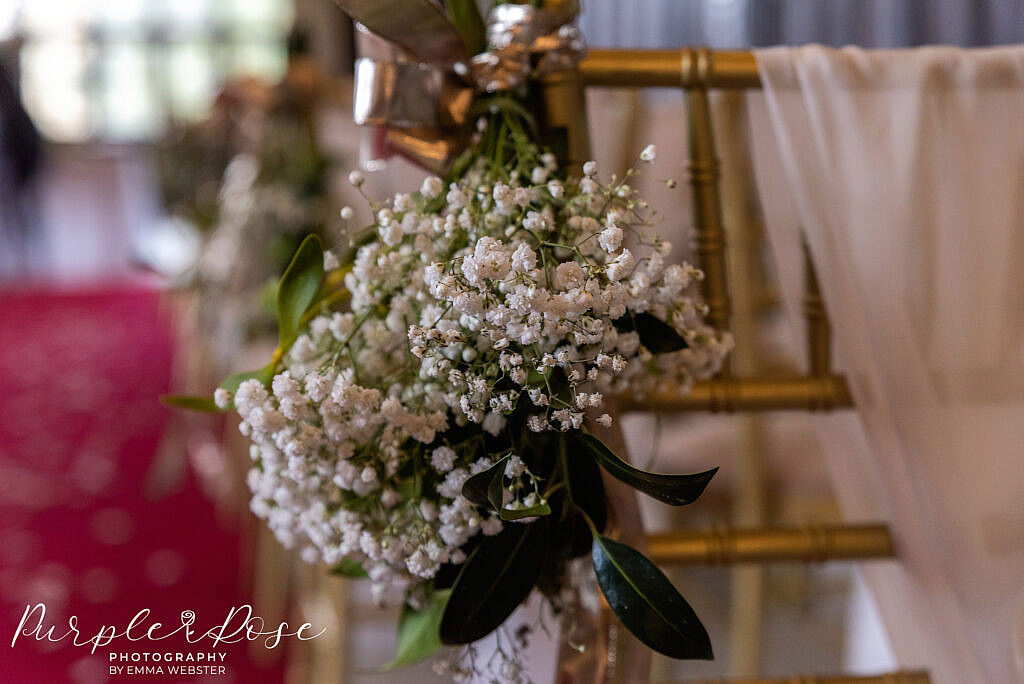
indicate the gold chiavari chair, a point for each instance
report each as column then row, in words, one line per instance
column 739, row 387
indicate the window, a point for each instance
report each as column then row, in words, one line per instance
column 120, row 69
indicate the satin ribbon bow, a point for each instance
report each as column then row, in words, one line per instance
column 420, row 81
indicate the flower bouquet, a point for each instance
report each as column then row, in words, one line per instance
column 425, row 421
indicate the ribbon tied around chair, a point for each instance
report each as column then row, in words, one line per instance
column 428, row 64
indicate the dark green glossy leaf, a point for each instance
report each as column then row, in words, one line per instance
column 675, row 490
column 520, row 513
column 264, row 375
column 349, row 568
column 496, row 491
column 205, row 404
column 419, row 631
column 588, row 494
column 467, row 20
column 658, row 336
column 647, row 603
column 298, row 287
column 496, row 578
column 480, row 487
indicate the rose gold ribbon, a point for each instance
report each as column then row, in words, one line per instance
column 422, row 86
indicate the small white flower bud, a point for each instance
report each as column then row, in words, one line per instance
column 222, row 398
column 432, row 187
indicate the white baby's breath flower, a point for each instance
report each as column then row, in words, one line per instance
column 356, row 178
column 222, row 398
column 649, row 154
column 443, row 459
column 590, row 168
column 621, row 267
column 537, row 423
column 431, row 187
column 569, row 275
column 346, row 213
column 402, row 201
column 610, row 238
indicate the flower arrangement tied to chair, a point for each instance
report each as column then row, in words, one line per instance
column 429, row 420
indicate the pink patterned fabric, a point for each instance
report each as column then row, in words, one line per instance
column 80, row 424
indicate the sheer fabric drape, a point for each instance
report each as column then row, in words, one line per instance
column 905, row 171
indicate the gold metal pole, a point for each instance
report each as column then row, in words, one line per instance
column 907, row 677
column 565, row 109
column 750, row 394
column 668, row 69
column 327, row 604
column 707, row 201
column 809, row 544
column 750, row 492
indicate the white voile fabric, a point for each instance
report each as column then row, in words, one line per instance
column 905, row 171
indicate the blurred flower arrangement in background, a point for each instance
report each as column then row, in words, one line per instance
column 253, row 181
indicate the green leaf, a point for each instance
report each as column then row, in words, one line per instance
column 268, row 297
column 647, row 603
column 658, row 336
column 496, row 578
column 587, row 487
column 410, row 488
column 352, row 569
column 466, row 17
column 520, row 513
column 496, row 491
column 535, row 377
column 419, row 631
column 482, row 487
column 506, row 104
column 182, row 401
column 298, row 287
column 675, row 490
column 264, row 375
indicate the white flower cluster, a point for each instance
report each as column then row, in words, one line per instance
column 506, row 296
